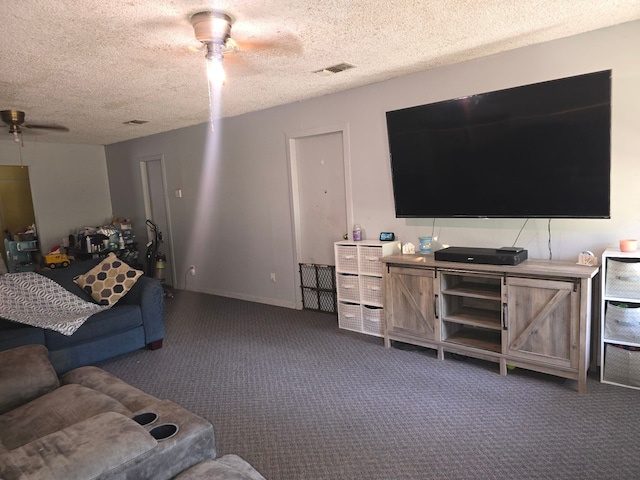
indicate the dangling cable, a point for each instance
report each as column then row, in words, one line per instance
column 521, row 228
column 20, row 147
column 549, row 241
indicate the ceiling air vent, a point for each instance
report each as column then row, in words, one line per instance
column 136, row 122
column 341, row 67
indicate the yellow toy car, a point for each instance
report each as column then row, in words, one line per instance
column 54, row 260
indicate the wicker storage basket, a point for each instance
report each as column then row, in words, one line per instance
column 622, row 365
column 370, row 260
column 347, row 258
column 348, row 288
column 622, row 323
column 623, row 279
column 372, row 320
column 371, row 290
column 349, row 316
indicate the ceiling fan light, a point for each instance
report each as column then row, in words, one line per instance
column 214, row 51
column 215, row 72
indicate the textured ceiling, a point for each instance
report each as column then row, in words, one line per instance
column 92, row 65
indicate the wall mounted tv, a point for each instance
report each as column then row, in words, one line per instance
column 533, row 151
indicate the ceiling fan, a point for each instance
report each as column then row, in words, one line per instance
column 212, row 29
column 15, row 120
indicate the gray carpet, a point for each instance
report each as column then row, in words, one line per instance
column 301, row 399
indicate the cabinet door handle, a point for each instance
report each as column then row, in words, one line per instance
column 435, row 306
column 505, row 312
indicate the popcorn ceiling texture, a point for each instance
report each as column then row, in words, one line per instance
column 91, row 65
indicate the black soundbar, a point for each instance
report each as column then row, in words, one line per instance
column 491, row 256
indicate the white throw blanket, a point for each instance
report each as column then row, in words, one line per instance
column 36, row 300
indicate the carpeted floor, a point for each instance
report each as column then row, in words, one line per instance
column 301, row 399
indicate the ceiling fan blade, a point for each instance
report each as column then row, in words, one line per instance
column 57, row 128
column 283, row 43
column 237, row 65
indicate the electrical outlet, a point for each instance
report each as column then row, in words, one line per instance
column 192, row 270
column 273, row 277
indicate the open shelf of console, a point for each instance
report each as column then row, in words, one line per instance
column 470, row 310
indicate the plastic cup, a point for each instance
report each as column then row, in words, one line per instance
column 425, row 244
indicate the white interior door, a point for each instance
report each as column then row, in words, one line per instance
column 321, row 196
column 156, row 210
column 320, row 193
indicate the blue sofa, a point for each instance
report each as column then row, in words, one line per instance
column 136, row 321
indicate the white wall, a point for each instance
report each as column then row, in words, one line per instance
column 69, row 186
column 234, row 220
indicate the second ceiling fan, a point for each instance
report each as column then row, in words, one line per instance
column 15, row 119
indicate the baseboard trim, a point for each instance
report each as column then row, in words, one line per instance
column 249, row 298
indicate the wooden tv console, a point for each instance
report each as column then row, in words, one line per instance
column 535, row 315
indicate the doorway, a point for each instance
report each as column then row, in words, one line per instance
column 156, row 208
column 16, row 204
column 320, row 195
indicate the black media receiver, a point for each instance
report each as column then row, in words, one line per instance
column 491, row 256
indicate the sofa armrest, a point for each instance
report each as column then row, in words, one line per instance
column 228, row 467
column 99, row 447
column 148, row 294
column 25, row 374
column 97, row 379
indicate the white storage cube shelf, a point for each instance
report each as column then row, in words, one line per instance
column 620, row 318
column 359, row 284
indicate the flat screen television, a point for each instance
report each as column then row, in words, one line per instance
column 533, row 151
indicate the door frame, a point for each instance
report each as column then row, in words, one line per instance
column 146, row 196
column 294, row 191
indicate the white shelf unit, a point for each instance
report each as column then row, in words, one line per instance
column 620, row 318
column 359, row 284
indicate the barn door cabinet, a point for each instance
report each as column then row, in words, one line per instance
column 543, row 322
column 410, row 299
column 535, row 315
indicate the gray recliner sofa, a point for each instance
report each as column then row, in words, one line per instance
column 135, row 321
column 89, row 424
